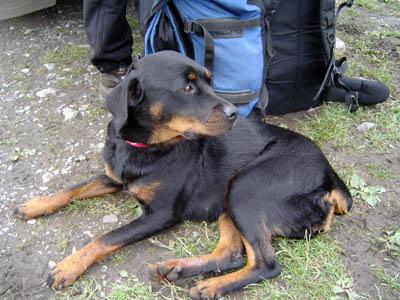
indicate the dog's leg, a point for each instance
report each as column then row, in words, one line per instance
column 97, row 186
column 261, row 264
column 69, row 269
column 226, row 256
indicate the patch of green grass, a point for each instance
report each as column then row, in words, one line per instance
column 378, row 171
column 329, row 124
column 192, row 240
column 83, row 289
column 61, row 241
column 120, row 257
column 310, row 270
column 66, row 55
column 100, row 206
column 132, row 291
column 368, row 56
column 393, row 281
column 385, row 136
column 333, row 124
column 369, row 4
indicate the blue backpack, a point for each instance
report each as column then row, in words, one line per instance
column 266, row 56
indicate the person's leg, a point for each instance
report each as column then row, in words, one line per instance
column 110, row 36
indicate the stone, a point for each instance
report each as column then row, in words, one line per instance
column 366, row 126
column 69, row 113
column 52, row 264
column 50, row 66
column 109, row 219
column 340, row 45
column 46, row 92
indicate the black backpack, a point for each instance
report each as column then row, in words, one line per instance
column 300, row 68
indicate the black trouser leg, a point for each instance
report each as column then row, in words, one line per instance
column 108, row 33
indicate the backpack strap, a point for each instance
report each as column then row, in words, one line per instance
column 336, row 68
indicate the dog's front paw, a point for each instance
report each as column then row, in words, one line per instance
column 162, row 272
column 206, row 289
column 66, row 272
column 35, row 207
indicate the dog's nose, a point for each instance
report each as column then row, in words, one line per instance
column 230, row 112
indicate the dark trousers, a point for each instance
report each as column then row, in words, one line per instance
column 108, row 33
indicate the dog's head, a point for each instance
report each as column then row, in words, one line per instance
column 166, row 98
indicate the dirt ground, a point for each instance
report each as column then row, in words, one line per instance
column 41, row 151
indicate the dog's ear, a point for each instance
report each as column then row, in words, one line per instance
column 127, row 93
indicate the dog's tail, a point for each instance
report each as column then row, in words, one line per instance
column 340, row 195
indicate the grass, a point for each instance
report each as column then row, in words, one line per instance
column 310, row 270
column 133, row 290
column 192, row 240
column 66, row 55
column 379, row 172
column 333, row 124
column 101, row 206
column 392, row 281
column 61, row 241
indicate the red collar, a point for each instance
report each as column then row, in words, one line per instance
column 137, row 145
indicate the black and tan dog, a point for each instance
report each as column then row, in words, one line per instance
column 173, row 144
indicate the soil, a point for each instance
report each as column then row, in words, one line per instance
column 41, row 152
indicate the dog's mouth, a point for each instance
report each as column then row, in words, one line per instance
column 191, row 128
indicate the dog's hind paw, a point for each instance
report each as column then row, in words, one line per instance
column 66, row 272
column 206, row 289
column 160, row 272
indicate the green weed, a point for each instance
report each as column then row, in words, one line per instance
column 359, row 188
column 390, row 242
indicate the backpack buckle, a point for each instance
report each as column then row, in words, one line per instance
column 190, row 26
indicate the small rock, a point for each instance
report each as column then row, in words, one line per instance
column 47, row 177
column 73, row 250
column 28, row 31
column 51, row 76
column 89, row 234
column 110, row 219
column 31, row 222
column 82, row 157
column 50, row 66
column 24, row 70
column 340, row 45
column 52, row 264
column 46, row 92
column 100, row 146
column 366, row 126
column 69, row 113
column 123, row 273
column 104, row 269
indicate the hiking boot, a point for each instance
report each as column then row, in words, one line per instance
column 110, row 79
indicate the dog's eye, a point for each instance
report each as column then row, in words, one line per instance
column 188, row 89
